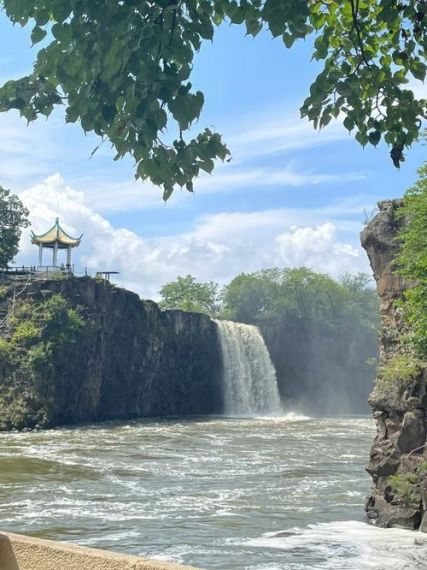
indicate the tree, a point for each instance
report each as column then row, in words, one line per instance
column 13, row 218
column 186, row 294
column 301, row 293
column 361, row 298
column 122, row 69
column 252, row 295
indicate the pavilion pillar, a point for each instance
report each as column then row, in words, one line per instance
column 55, row 254
column 69, row 256
column 40, row 255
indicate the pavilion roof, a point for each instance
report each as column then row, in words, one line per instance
column 56, row 235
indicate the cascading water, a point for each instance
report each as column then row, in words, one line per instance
column 249, row 377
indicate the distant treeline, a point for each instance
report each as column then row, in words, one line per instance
column 279, row 293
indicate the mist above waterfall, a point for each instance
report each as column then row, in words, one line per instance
column 321, row 333
column 249, row 378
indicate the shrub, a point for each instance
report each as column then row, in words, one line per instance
column 26, row 333
column 404, row 486
column 400, row 368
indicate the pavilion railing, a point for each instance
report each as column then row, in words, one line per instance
column 33, row 272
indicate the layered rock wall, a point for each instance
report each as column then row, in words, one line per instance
column 398, row 458
column 131, row 360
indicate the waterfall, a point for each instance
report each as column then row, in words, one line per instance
column 249, row 377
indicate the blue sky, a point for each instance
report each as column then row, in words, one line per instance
column 290, row 196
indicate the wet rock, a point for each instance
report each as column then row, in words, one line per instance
column 423, row 525
column 385, row 514
column 380, row 418
column 412, row 433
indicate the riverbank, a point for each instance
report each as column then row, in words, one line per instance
column 18, row 552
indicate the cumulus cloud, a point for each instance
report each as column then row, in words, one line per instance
column 217, row 247
column 318, row 247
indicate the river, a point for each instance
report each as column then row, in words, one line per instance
column 218, row 493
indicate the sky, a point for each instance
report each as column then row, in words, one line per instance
column 291, row 196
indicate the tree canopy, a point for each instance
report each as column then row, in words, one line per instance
column 122, row 68
column 187, row 294
column 13, row 218
column 301, row 293
column 279, row 293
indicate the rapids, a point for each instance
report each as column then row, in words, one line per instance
column 244, row 493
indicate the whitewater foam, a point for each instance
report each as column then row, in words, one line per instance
column 351, row 545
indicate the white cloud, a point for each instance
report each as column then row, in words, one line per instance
column 318, row 247
column 30, row 153
column 278, row 132
column 217, row 248
column 229, row 178
column 109, row 197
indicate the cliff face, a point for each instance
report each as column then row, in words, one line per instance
column 321, row 369
column 398, row 459
column 131, row 360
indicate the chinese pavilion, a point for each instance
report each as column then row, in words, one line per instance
column 55, row 238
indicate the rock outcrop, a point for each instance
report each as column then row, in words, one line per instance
column 131, row 360
column 398, row 459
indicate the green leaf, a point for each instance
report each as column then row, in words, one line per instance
column 207, row 165
column 374, row 137
column 167, row 193
column 418, row 70
column 348, row 123
column 38, row 34
column 362, row 138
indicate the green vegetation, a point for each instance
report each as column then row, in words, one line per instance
column 123, row 70
column 279, row 293
column 412, row 262
column 301, row 293
column 404, row 485
column 400, row 368
column 40, row 331
column 13, row 218
column 187, row 294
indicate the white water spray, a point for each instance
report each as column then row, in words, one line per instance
column 249, row 377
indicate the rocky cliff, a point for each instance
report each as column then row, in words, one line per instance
column 115, row 356
column 130, row 359
column 398, row 459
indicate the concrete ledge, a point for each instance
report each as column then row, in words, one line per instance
column 18, row 552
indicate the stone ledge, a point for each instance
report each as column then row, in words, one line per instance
column 18, row 552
